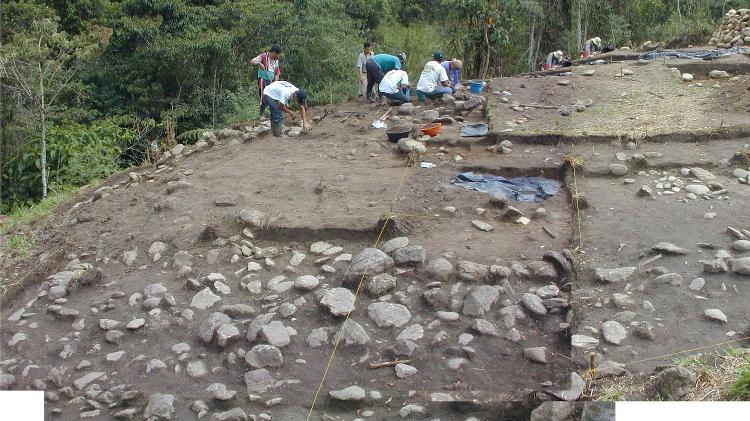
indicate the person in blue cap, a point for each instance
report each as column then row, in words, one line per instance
column 276, row 97
column 378, row 66
column 452, row 67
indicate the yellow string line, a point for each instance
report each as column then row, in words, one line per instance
column 356, row 295
column 688, row 350
column 573, row 164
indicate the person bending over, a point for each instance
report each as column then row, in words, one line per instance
column 276, row 97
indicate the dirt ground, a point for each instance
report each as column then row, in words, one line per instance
column 336, row 184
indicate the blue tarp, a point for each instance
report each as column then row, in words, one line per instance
column 694, row 54
column 525, row 189
column 475, row 130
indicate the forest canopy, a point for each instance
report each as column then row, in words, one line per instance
column 120, row 75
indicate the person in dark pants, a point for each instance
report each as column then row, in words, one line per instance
column 378, row 66
column 276, row 97
column 395, row 87
column 269, row 71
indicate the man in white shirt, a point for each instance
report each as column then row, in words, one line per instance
column 276, row 97
column 395, row 86
column 365, row 55
column 433, row 82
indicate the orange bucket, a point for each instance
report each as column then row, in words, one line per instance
column 432, row 130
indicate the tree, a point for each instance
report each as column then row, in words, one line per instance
column 38, row 65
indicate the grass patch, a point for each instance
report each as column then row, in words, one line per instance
column 739, row 390
column 18, row 245
column 25, row 215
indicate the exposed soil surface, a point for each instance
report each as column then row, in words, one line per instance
column 338, row 184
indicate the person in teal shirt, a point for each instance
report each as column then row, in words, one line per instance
column 269, row 71
column 378, row 66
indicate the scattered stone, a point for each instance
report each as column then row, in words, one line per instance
column 618, row 170
column 482, row 226
column 258, row 381
column 718, row 74
column 741, row 245
column 536, row 354
column 136, row 324
column 204, row 299
column 697, row 284
column 404, row 370
column 717, row 265
column 669, row 248
column 369, row 261
column 613, row 332
column 472, row 272
column 670, row 278
column 340, row 301
column 480, row 300
column 439, row 268
column 353, row 334
column 409, row 256
column 740, row 266
column 388, row 314
column 675, row 382
column 553, row 411
column 264, row 356
column 236, row 414
column 715, row 314
column 485, row 327
column 209, row 326
column 534, row 303
column 306, row 282
column 380, row 284
column 351, row 393
column 687, row 77
column 645, row 330
column 616, row 275
column 394, row 244
column 87, row 379
column 276, row 333
column 196, row 369
column 317, row 337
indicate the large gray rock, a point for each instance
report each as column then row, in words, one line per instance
column 553, row 411
column 675, row 382
column 410, row 256
column 87, row 379
column 485, row 327
column 276, row 334
column 258, row 381
column 537, row 354
column 439, row 268
column 741, row 245
column 669, row 248
column 264, row 356
column 718, row 74
column 394, row 244
column 534, row 303
column 380, row 284
column 258, row 322
column 740, row 266
column 340, row 301
column 615, row 275
column 234, row 414
column 351, row 393
column 159, row 407
column 369, row 261
column 715, row 314
column 613, row 332
column 408, row 145
column 253, row 218
column 352, row 334
column 317, row 337
column 388, row 314
column 472, row 272
column 208, row 326
column 204, row 299
column 480, row 300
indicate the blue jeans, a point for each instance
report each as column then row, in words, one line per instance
column 262, row 83
column 401, row 97
column 273, row 105
column 438, row 92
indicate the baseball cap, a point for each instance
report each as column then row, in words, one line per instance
column 437, row 55
column 301, row 96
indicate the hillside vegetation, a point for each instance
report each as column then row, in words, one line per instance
column 121, row 75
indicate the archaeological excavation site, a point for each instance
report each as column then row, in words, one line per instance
column 562, row 241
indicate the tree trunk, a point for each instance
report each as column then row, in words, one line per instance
column 579, row 35
column 531, row 44
column 679, row 13
column 43, row 137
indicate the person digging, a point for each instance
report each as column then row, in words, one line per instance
column 276, row 97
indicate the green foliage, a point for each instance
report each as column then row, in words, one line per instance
column 418, row 41
column 25, row 214
column 77, row 155
column 739, row 390
column 19, row 245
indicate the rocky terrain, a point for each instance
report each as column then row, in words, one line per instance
column 330, row 276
